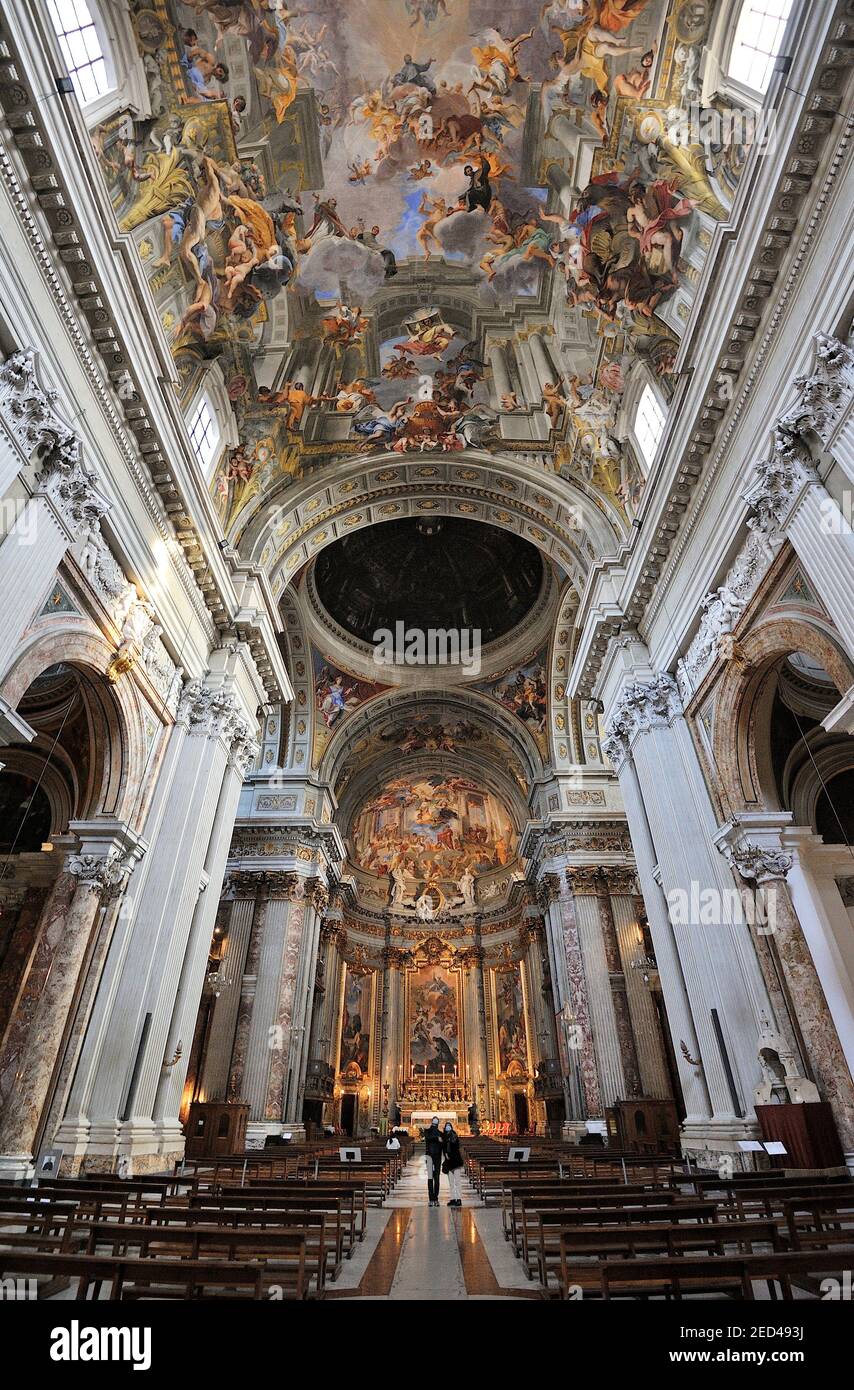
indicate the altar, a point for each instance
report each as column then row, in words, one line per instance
column 415, row 1119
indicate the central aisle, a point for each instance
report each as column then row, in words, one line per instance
column 435, row 1253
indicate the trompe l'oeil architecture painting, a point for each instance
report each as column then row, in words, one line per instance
column 426, row 655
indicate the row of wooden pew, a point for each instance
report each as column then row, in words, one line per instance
column 235, row 1228
column 654, row 1229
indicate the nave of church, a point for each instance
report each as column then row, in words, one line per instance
column 427, row 652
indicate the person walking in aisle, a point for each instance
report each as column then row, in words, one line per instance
column 435, row 1149
column 453, row 1162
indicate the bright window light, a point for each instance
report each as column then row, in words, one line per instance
column 649, row 423
column 80, row 45
column 758, row 37
column 204, row 435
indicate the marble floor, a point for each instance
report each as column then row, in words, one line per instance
column 416, row 1252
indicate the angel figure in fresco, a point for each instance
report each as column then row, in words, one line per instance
column 277, row 76
column 359, row 170
column 434, row 211
column 554, row 402
column 637, row 82
column 347, row 325
column 652, row 218
column 311, row 56
column 586, row 45
column 497, row 63
column 428, row 340
column 428, row 10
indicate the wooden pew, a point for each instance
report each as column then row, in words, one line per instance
column 128, row 1277
column 541, row 1226
column 578, row 1245
column 675, row 1277
column 170, row 1240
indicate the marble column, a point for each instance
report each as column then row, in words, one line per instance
column 32, row 1048
column 281, row 893
column 170, row 1087
column 789, row 500
column 646, row 1029
column 581, row 1039
column 223, row 1028
column 768, row 870
column 485, row 1096
column 622, row 1012
column 246, row 1006
column 391, row 1060
column 725, row 986
column 550, row 893
column 686, row 1048
column 316, row 902
column 587, row 889
column 130, row 1039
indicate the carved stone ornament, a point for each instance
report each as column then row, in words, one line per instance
column 215, row 714
column 104, row 874
column 762, row 865
column 643, row 705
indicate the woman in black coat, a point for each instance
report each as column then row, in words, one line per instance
column 453, row 1162
column 435, row 1149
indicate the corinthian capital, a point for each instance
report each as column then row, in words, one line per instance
column 29, row 411
column 778, row 481
column 643, row 705
column 762, row 865
column 244, row 746
column 586, row 879
column 103, row 874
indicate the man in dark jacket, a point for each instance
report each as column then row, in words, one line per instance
column 435, row 1149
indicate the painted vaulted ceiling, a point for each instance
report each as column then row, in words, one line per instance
column 419, row 225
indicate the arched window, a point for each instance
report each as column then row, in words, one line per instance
column 648, row 424
column 757, row 41
column 205, row 435
column 83, row 48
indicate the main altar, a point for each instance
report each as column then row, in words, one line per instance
column 423, row 1096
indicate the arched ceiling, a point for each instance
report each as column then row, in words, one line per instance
column 325, row 266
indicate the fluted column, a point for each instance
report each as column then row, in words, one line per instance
column 646, row 1029
column 223, row 1029
column 84, row 883
column 125, row 1050
column 586, row 888
column 727, row 993
column 790, row 500
column 695, row 1092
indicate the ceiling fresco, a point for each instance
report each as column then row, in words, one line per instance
column 434, row 835
column 421, row 225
